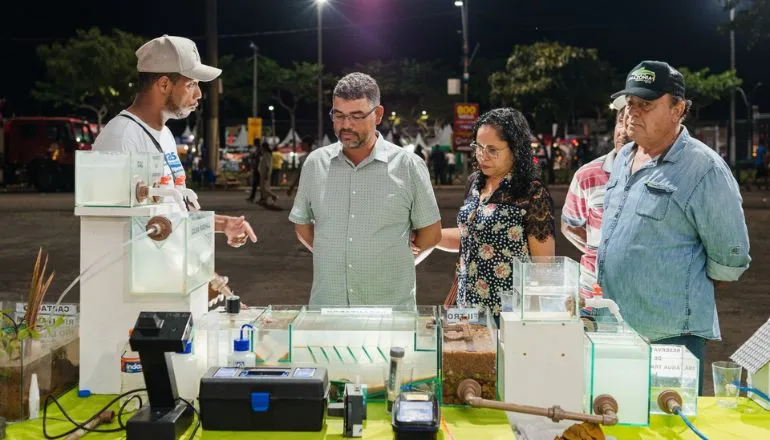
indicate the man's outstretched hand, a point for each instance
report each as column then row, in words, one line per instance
column 238, row 231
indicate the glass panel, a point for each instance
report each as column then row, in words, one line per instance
column 53, row 357
column 200, row 249
column 426, row 329
column 621, row 368
column 674, row 368
column 104, row 179
column 469, row 351
column 273, row 340
column 548, row 288
column 215, row 332
column 109, row 179
column 353, row 343
column 155, row 163
column 176, row 265
column 588, row 373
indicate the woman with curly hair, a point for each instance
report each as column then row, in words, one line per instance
column 507, row 212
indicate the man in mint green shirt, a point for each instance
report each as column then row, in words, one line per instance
column 358, row 202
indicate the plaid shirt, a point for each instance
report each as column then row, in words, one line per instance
column 363, row 216
column 584, row 208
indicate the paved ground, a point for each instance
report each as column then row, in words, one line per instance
column 278, row 271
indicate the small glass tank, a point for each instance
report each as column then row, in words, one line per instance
column 468, row 351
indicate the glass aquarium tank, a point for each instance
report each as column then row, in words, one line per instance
column 544, row 288
column 674, row 368
column 618, row 363
column 114, row 179
column 352, row 343
column 177, row 264
column 272, row 344
column 53, row 354
column 215, row 332
column 468, row 351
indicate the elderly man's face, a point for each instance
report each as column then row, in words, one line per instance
column 650, row 122
column 620, row 135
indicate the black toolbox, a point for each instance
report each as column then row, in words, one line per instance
column 263, row 399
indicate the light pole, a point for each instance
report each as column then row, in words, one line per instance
column 463, row 5
column 749, row 115
column 212, row 98
column 732, row 94
column 272, row 120
column 319, row 9
column 255, row 80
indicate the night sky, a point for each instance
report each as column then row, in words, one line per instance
column 682, row 32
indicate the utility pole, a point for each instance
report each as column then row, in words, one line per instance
column 255, row 82
column 466, row 61
column 212, row 121
column 319, row 9
column 732, row 92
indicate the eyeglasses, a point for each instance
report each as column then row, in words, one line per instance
column 480, row 150
column 337, row 116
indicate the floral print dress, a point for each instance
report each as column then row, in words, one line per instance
column 492, row 233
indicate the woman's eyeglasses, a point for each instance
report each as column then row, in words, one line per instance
column 489, row 151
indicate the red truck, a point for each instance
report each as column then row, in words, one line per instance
column 40, row 151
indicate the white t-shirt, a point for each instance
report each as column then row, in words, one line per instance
column 124, row 135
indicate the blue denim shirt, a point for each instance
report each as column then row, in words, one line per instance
column 668, row 230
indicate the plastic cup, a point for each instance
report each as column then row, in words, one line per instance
column 509, row 301
column 727, row 379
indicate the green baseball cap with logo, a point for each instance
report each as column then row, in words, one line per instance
column 652, row 79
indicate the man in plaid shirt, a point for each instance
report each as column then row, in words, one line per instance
column 581, row 218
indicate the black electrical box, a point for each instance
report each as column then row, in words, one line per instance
column 263, row 399
column 416, row 416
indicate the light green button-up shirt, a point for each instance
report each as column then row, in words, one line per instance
column 363, row 216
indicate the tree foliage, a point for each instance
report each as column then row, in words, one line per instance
column 409, row 87
column 91, row 70
column 752, row 18
column 553, row 83
column 705, row 88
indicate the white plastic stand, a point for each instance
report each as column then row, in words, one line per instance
column 107, row 309
column 542, row 365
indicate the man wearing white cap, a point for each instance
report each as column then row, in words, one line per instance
column 581, row 216
column 169, row 72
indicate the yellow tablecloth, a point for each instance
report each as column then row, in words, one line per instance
column 463, row 423
column 748, row 421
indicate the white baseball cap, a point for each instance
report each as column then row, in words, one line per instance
column 169, row 54
column 618, row 103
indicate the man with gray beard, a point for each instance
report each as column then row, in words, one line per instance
column 359, row 201
column 169, row 71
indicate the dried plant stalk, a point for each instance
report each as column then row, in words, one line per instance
column 37, row 289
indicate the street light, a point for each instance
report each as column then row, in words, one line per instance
column 272, row 120
column 319, row 8
column 255, row 79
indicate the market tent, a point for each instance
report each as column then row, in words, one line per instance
column 419, row 142
column 239, row 140
column 291, row 138
column 445, row 138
